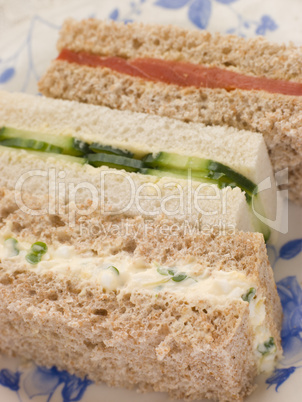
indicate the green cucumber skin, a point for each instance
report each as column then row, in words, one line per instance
column 244, row 183
column 45, row 155
column 98, row 148
column 69, row 145
column 32, row 145
column 79, row 147
column 115, row 161
column 215, row 170
column 65, row 143
column 205, row 177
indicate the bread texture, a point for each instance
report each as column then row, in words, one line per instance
column 277, row 117
column 255, row 56
column 143, row 133
column 119, row 192
column 161, row 341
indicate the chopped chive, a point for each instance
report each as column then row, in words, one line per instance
column 267, row 347
column 39, row 248
column 36, row 252
column 33, row 258
column 249, row 295
column 114, row 269
column 176, row 277
column 179, row 277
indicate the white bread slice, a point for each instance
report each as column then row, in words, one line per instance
column 141, row 133
column 154, row 339
column 116, row 192
column 138, row 132
column 277, row 117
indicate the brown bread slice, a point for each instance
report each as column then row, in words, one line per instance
column 165, row 342
column 277, row 117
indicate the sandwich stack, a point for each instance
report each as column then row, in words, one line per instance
column 129, row 250
column 194, row 76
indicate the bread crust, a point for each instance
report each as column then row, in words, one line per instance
column 255, row 56
column 190, row 348
column 277, row 117
column 163, row 344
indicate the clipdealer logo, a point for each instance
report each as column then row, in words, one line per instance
column 129, row 195
column 117, row 192
column 167, row 228
column 279, row 222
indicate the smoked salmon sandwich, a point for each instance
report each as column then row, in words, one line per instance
column 193, row 76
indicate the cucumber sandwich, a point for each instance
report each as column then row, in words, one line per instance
column 196, row 316
column 136, row 164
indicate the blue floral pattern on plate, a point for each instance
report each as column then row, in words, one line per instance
column 42, row 381
column 7, row 74
column 280, row 376
column 290, row 293
column 7, row 66
column 10, row 379
column 199, row 13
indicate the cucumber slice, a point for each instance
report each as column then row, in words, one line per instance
column 175, row 161
column 223, row 175
column 31, row 145
column 107, row 149
column 240, row 181
column 115, row 161
column 68, row 145
column 223, row 181
column 80, row 147
column 45, row 155
column 219, row 179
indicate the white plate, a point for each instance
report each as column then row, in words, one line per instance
column 28, row 33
